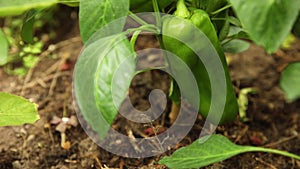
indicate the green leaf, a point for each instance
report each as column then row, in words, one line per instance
column 211, row 149
column 235, row 46
column 94, row 14
column 269, row 21
column 290, row 81
column 234, row 30
column 27, row 27
column 3, row 48
column 17, row 7
column 237, row 33
column 223, row 33
column 234, row 21
column 102, row 77
column 15, row 110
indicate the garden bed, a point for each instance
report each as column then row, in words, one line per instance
column 272, row 122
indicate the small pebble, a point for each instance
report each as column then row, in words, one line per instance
column 17, row 165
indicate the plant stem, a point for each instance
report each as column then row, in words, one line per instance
column 274, row 151
column 157, row 14
column 137, row 19
column 134, row 38
column 181, row 10
column 149, row 27
column 221, row 9
column 218, row 19
column 63, row 138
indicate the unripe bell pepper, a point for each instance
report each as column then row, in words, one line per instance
column 181, row 28
column 183, row 31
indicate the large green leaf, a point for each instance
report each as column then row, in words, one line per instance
column 211, row 149
column 94, row 14
column 3, row 48
column 15, row 110
column 267, row 21
column 98, row 73
column 290, row 81
column 16, row 7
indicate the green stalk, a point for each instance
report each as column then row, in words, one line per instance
column 137, row 19
column 134, row 38
column 149, row 27
column 274, row 151
column 182, row 10
column 221, row 9
column 157, row 13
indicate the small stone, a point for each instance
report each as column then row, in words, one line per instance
column 17, row 165
column 23, row 131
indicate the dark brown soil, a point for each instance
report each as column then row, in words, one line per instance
column 272, row 122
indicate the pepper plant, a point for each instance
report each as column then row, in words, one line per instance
column 105, row 50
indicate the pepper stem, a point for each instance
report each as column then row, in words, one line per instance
column 182, row 10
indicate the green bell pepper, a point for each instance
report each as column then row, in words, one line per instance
column 178, row 27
